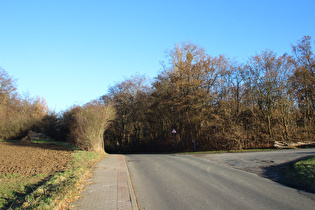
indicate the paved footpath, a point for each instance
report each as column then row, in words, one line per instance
column 110, row 187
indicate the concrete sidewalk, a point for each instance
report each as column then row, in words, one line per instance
column 111, row 187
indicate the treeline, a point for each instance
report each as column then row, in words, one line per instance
column 82, row 126
column 18, row 114
column 219, row 103
column 215, row 101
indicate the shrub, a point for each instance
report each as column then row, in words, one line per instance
column 87, row 125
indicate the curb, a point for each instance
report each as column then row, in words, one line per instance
column 132, row 194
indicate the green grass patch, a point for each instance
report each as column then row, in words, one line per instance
column 14, row 186
column 229, row 151
column 45, row 191
column 52, row 141
column 47, row 141
column 302, row 173
column 9, row 140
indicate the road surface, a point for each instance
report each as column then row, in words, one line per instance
column 189, row 182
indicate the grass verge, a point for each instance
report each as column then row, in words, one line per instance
column 228, row 151
column 14, row 186
column 302, row 174
column 45, row 191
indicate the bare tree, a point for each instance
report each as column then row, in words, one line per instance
column 303, row 83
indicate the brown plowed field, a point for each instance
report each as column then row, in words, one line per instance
column 27, row 158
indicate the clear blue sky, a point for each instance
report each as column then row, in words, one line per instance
column 71, row 51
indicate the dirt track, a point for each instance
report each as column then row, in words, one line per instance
column 26, row 158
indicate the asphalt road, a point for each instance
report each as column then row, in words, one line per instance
column 260, row 163
column 189, row 182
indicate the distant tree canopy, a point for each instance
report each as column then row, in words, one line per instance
column 219, row 103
